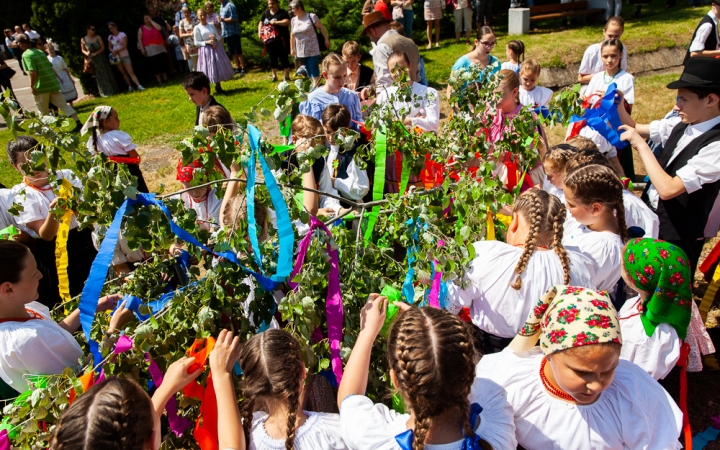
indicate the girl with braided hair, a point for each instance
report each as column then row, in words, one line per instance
column 432, row 365
column 573, row 391
column 554, row 166
column 594, row 197
column 118, row 414
column 505, row 278
column 274, row 378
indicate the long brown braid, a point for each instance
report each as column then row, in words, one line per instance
column 597, row 183
column 272, row 365
column 586, row 158
column 116, row 414
column 545, row 214
column 431, row 353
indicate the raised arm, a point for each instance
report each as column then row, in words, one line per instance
column 223, row 357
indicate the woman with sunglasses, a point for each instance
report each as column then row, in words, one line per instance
column 480, row 55
column 118, row 42
column 93, row 47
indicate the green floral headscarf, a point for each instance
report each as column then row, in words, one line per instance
column 662, row 269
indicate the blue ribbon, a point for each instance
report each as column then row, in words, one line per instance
column 405, row 439
column 605, row 118
column 98, row 271
column 134, row 303
column 408, row 289
column 284, row 224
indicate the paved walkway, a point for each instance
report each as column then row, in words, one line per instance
column 21, row 87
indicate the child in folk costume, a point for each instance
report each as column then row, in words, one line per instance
column 593, row 195
column 663, row 316
column 272, row 391
column 506, row 277
column 432, row 360
column 592, row 61
column 115, row 144
column 611, row 53
column 334, row 71
column 37, row 198
column 515, row 53
column 554, row 166
column 573, row 391
column 345, row 176
column 532, row 95
column 637, row 213
column 203, row 200
column 31, row 342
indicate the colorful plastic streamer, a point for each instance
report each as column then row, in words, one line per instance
column 333, row 301
column 605, row 118
column 284, row 224
column 61, row 254
column 9, row 232
column 378, row 182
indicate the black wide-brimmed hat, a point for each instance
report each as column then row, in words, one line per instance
column 700, row 72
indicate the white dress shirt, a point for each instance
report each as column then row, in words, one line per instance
column 698, row 44
column 703, row 168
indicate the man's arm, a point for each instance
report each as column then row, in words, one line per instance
column 706, row 53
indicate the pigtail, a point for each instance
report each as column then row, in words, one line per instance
column 293, row 400
column 620, row 216
column 94, row 139
column 530, row 242
column 558, row 229
column 246, row 412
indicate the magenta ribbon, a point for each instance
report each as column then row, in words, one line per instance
column 4, row 440
column 178, row 424
column 434, row 297
column 333, row 301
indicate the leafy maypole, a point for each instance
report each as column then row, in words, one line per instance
column 410, row 243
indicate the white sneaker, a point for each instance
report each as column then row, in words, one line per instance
column 140, row 88
column 130, row 89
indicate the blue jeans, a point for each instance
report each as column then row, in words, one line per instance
column 311, row 65
column 407, row 21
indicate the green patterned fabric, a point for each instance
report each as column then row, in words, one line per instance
column 661, row 269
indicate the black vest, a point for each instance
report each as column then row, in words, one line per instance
column 711, row 42
column 685, row 216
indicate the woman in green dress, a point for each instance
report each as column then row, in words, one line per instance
column 93, row 47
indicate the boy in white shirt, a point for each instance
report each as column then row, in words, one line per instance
column 705, row 39
column 532, row 95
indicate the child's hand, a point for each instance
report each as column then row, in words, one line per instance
column 108, row 302
column 372, row 316
column 120, row 318
column 620, row 98
column 177, row 376
column 225, row 353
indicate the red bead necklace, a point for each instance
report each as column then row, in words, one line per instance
column 557, row 392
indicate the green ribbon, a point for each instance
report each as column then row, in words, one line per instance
column 393, row 295
column 285, row 126
column 378, row 182
column 9, row 232
column 404, row 176
column 282, row 148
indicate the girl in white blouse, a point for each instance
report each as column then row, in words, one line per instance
column 594, row 197
column 506, row 279
column 431, row 359
column 573, row 391
column 104, row 122
column 31, row 342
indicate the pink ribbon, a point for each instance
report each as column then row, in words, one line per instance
column 333, row 301
column 178, row 424
column 4, row 440
column 433, row 299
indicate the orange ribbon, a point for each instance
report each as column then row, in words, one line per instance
column 206, row 429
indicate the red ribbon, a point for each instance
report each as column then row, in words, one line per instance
column 206, row 429
column 683, row 362
column 125, row 159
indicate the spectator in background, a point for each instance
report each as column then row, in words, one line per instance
column 165, row 30
column 231, row 34
column 463, row 19
column 408, row 16
column 358, row 76
column 44, row 86
column 212, row 59
column 368, row 7
column 67, row 86
column 278, row 48
column 14, row 48
column 212, row 16
column 5, row 83
column 433, row 14
column 483, row 13
column 304, row 44
column 384, row 7
column 33, row 35
column 118, row 42
column 180, row 13
column 93, row 47
column 186, row 31
column 387, row 41
column 152, row 46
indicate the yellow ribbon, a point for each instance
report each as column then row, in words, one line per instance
column 490, row 226
column 710, row 294
column 61, row 255
column 505, row 219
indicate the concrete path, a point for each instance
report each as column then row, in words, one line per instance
column 21, row 87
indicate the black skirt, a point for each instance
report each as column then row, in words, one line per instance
column 81, row 254
column 136, row 172
column 44, row 253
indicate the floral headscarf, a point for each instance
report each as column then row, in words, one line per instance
column 98, row 114
column 574, row 317
column 662, row 269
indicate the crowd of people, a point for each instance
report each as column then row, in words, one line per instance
column 556, row 338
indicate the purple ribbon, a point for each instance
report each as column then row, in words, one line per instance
column 435, row 289
column 4, row 441
column 178, row 424
column 333, row 301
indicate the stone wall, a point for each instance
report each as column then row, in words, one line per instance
column 639, row 65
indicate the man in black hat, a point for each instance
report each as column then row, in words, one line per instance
column 685, row 178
